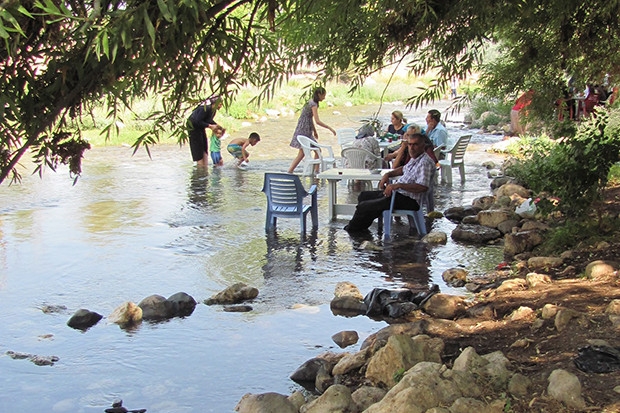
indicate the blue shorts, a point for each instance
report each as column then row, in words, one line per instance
column 216, row 157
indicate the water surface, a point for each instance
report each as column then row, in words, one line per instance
column 134, row 226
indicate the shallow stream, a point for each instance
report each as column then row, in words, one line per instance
column 134, row 226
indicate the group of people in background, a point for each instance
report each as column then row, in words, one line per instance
column 412, row 164
column 201, row 119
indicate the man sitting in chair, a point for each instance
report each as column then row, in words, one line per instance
column 414, row 180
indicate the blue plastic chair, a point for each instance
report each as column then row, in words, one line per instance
column 285, row 197
column 415, row 217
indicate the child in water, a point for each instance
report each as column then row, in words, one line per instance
column 238, row 148
column 215, row 145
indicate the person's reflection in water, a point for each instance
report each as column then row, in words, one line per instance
column 280, row 250
column 203, row 190
column 406, row 261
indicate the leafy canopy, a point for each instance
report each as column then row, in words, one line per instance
column 59, row 58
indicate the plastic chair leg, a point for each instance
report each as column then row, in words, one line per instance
column 420, row 224
column 462, row 172
column 387, row 224
column 446, row 174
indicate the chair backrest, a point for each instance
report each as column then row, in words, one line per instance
column 458, row 150
column 308, row 147
column 357, row 158
column 283, row 191
column 345, row 136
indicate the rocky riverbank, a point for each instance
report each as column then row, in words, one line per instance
column 537, row 334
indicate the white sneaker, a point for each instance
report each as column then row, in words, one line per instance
column 244, row 163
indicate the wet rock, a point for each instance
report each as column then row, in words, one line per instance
column 242, row 308
column 565, row 387
column 380, row 338
column 500, row 181
column 307, row 372
column 516, row 243
column 265, row 402
column 184, row 304
column 126, row 314
column 345, row 338
column 34, row 358
column 234, row 294
column 529, row 225
column 84, row 319
column 436, row 237
column 155, row 308
column 347, row 306
column 484, row 202
column 455, row 277
column 456, row 214
column 475, row 233
column 348, row 289
column 470, row 219
column 493, row 217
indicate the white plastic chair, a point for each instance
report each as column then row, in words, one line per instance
column 359, row 158
column 454, row 159
column 311, row 147
column 345, row 136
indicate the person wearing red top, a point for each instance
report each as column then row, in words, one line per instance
column 515, row 114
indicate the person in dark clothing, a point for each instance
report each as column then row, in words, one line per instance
column 413, row 181
column 200, row 119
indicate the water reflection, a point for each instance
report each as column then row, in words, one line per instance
column 285, row 254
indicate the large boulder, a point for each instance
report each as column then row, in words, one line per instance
column 155, row 308
column 183, row 303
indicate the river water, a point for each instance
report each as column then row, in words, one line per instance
column 134, row 226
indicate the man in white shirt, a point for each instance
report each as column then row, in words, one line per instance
column 414, row 180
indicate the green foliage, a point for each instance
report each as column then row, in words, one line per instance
column 573, row 170
column 574, row 233
column 399, row 374
column 484, row 104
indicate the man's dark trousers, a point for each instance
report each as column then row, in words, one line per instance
column 370, row 206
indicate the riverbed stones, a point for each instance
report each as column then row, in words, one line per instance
column 156, row 307
column 366, row 396
column 436, row 237
column 478, row 234
column 234, row 294
column 456, row 277
column 509, row 189
column 493, row 217
column 184, row 304
column 126, row 314
column 518, row 242
column 565, row 387
column 345, row 338
column 544, row 263
column 266, row 402
column 347, row 289
column 84, row 319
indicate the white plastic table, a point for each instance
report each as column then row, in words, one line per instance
column 337, row 174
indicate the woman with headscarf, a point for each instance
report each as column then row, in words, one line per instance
column 201, row 119
column 365, row 139
column 306, row 125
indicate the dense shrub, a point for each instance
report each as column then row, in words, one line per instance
column 575, row 169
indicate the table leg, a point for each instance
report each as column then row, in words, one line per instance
column 331, row 199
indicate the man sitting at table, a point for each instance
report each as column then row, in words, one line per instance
column 414, row 180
